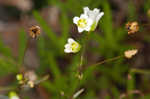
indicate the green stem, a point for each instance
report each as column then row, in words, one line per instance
column 107, row 60
column 140, row 71
column 85, row 39
column 80, row 66
column 7, row 88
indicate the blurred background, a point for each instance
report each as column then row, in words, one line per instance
column 45, row 55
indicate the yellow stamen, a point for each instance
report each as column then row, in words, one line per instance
column 82, row 23
column 74, row 46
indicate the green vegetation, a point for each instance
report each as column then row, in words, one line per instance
column 110, row 78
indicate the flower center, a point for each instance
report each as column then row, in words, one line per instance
column 82, row 23
column 74, row 46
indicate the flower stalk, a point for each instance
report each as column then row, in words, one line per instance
column 140, row 71
column 108, row 60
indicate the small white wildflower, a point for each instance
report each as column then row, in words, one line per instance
column 88, row 20
column 130, row 53
column 83, row 23
column 72, row 46
column 13, row 95
column 95, row 15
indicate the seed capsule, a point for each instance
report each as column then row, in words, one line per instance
column 130, row 53
column 34, row 31
column 132, row 27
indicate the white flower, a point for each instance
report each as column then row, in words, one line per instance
column 88, row 20
column 13, row 95
column 83, row 23
column 72, row 46
column 95, row 15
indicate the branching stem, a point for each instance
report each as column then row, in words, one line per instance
column 107, row 60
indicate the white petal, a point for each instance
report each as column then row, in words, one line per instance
column 96, row 10
column 67, row 46
column 70, row 40
column 80, row 29
column 14, row 97
column 86, row 10
column 92, row 15
column 90, row 22
column 67, row 50
column 84, row 16
column 75, row 20
column 88, row 28
column 101, row 14
column 99, row 17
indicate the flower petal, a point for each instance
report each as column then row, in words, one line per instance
column 80, row 29
column 14, row 97
column 99, row 16
column 67, row 46
column 75, row 20
column 96, row 10
column 84, row 16
column 88, row 28
column 67, row 51
column 86, row 10
column 90, row 22
column 71, row 40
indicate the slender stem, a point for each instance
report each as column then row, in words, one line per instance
column 42, row 80
column 140, row 71
column 107, row 60
column 81, row 61
column 80, row 66
column 122, row 96
column 7, row 88
column 83, row 51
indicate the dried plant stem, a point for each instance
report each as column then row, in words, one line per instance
column 125, row 95
column 107, row 60
column 42, row 80
column 140, row 71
